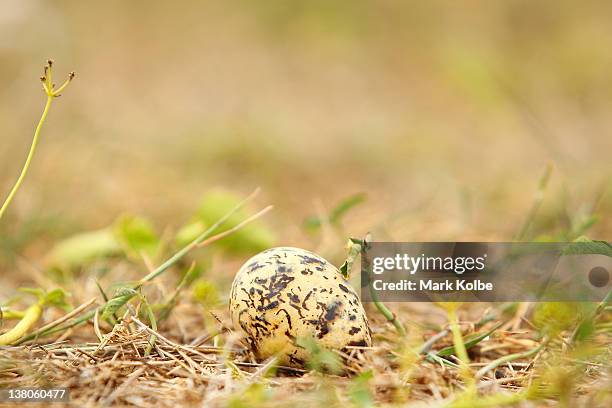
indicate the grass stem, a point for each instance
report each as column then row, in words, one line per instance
column 389, row 315
column 535, row 206
column 26, row 166
column 460, row 349
column 506, row 359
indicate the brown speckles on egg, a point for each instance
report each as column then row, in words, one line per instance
column 293, row 297
column 283, row 294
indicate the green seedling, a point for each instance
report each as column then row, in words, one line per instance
column 52, row 93
column 354, row 248
column 32, row 314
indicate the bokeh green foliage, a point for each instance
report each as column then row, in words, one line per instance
column 131, row 236
column 206, row 293
column 250, row 239
column 335, row 217
column 552, row 318
column 320, row 358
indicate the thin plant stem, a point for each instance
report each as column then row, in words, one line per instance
column 52, row 93
column 235, row 228
column 429, row 356
column 460, row 349
column 152, row 321
column 68, row 316
column 389, row 315
column 457, row 337
column 356, row 247
column 537, row 202
column 26, row 166
column 506, row 359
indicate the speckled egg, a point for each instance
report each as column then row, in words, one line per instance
column 283, row 294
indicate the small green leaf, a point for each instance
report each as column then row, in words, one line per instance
column 470, row 341
column 122, row 296
column 336, row 215
column 36, row 292
column 354, row 247
column 136, row 235
column 586, row 246
column 56, row 297
column 313, row 222
column 102, row 292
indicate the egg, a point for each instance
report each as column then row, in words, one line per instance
column 283, row 294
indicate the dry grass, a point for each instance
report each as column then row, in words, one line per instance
column 189, row 367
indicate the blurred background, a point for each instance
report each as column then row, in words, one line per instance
column 445, row 114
